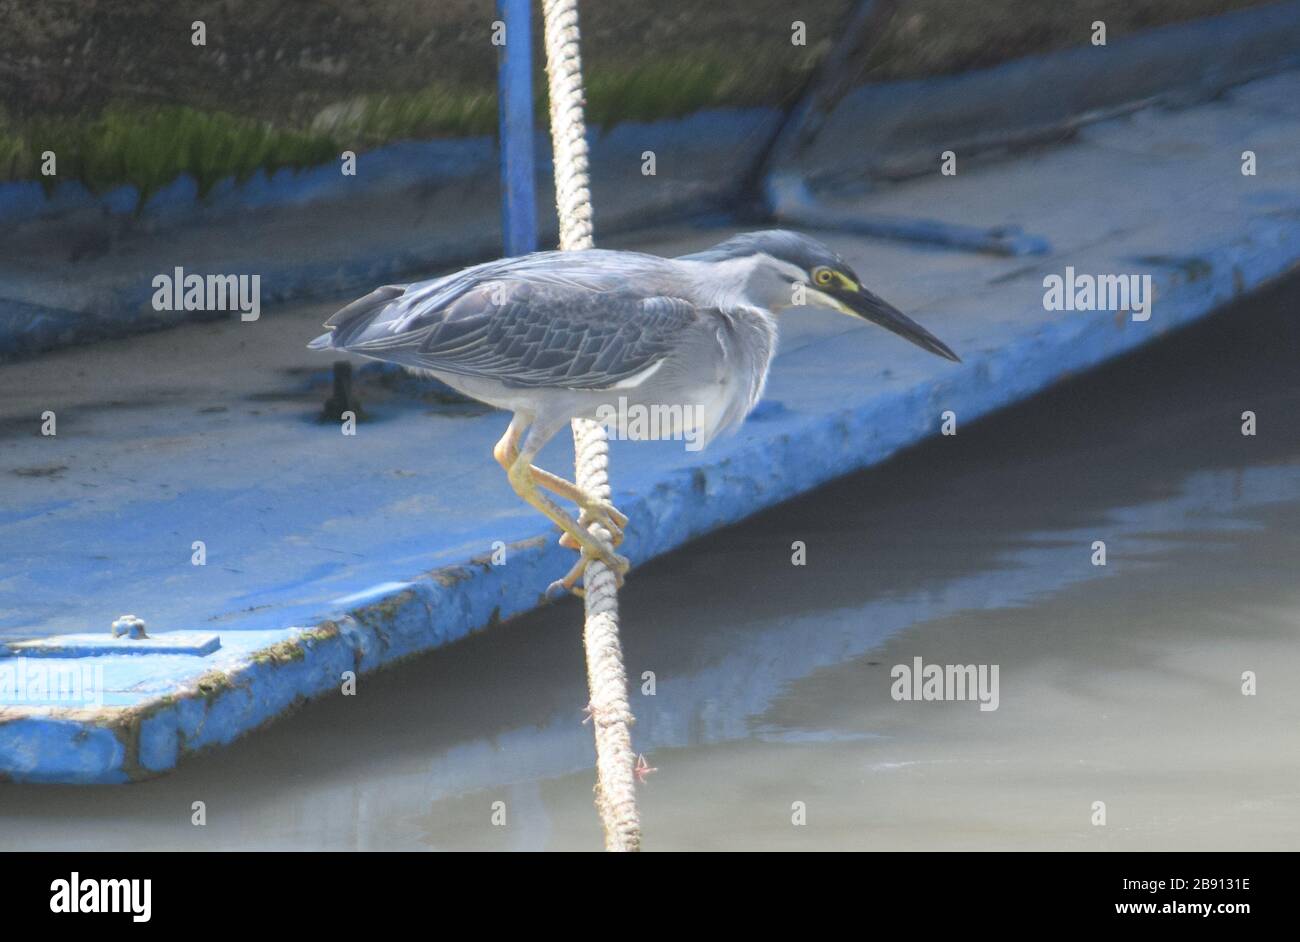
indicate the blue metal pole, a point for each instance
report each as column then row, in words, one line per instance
column 515, row 120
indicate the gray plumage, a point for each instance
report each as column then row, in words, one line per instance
column 556, row 335
column 544, row 320
column 612, row 336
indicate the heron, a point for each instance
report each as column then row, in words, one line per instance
column 553, row 336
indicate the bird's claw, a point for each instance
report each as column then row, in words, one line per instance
column 618, row 565
column 603, row 513
column 611, row 514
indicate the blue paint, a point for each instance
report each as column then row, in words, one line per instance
column 193, row 643
column 874, row 131
column 398, row 563
column 88, row 302
column 792, row 203
column 517, row 129
column 50, row 750
column 1235, row 45
column 671, row 498
column 394, row 166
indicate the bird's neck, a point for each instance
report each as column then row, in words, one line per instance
column 748, row 281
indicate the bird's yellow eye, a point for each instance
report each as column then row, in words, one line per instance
column 822, row 276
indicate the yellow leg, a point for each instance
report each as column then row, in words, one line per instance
column 594, row 510
column 570, row 580
column 525, row 485
column 507, row 450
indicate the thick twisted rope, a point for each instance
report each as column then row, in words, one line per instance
column 611, row 715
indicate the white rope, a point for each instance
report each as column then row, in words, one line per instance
column 606, row 679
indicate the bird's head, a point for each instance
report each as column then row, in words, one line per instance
column 793, row 269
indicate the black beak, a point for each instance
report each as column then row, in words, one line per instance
column 878, row 311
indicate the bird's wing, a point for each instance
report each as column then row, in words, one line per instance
column 569, row 329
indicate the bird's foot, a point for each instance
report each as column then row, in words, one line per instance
column 618, row 565
column 613, row 521
column 602, row 513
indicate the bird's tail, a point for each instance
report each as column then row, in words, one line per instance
column 347, row 323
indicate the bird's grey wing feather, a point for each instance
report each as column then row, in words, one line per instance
column 343, row 324
column 373, row 301
column 541, row 330
column 549, row 335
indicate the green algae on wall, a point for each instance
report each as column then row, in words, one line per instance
column 275, row 90
column 150, row 147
